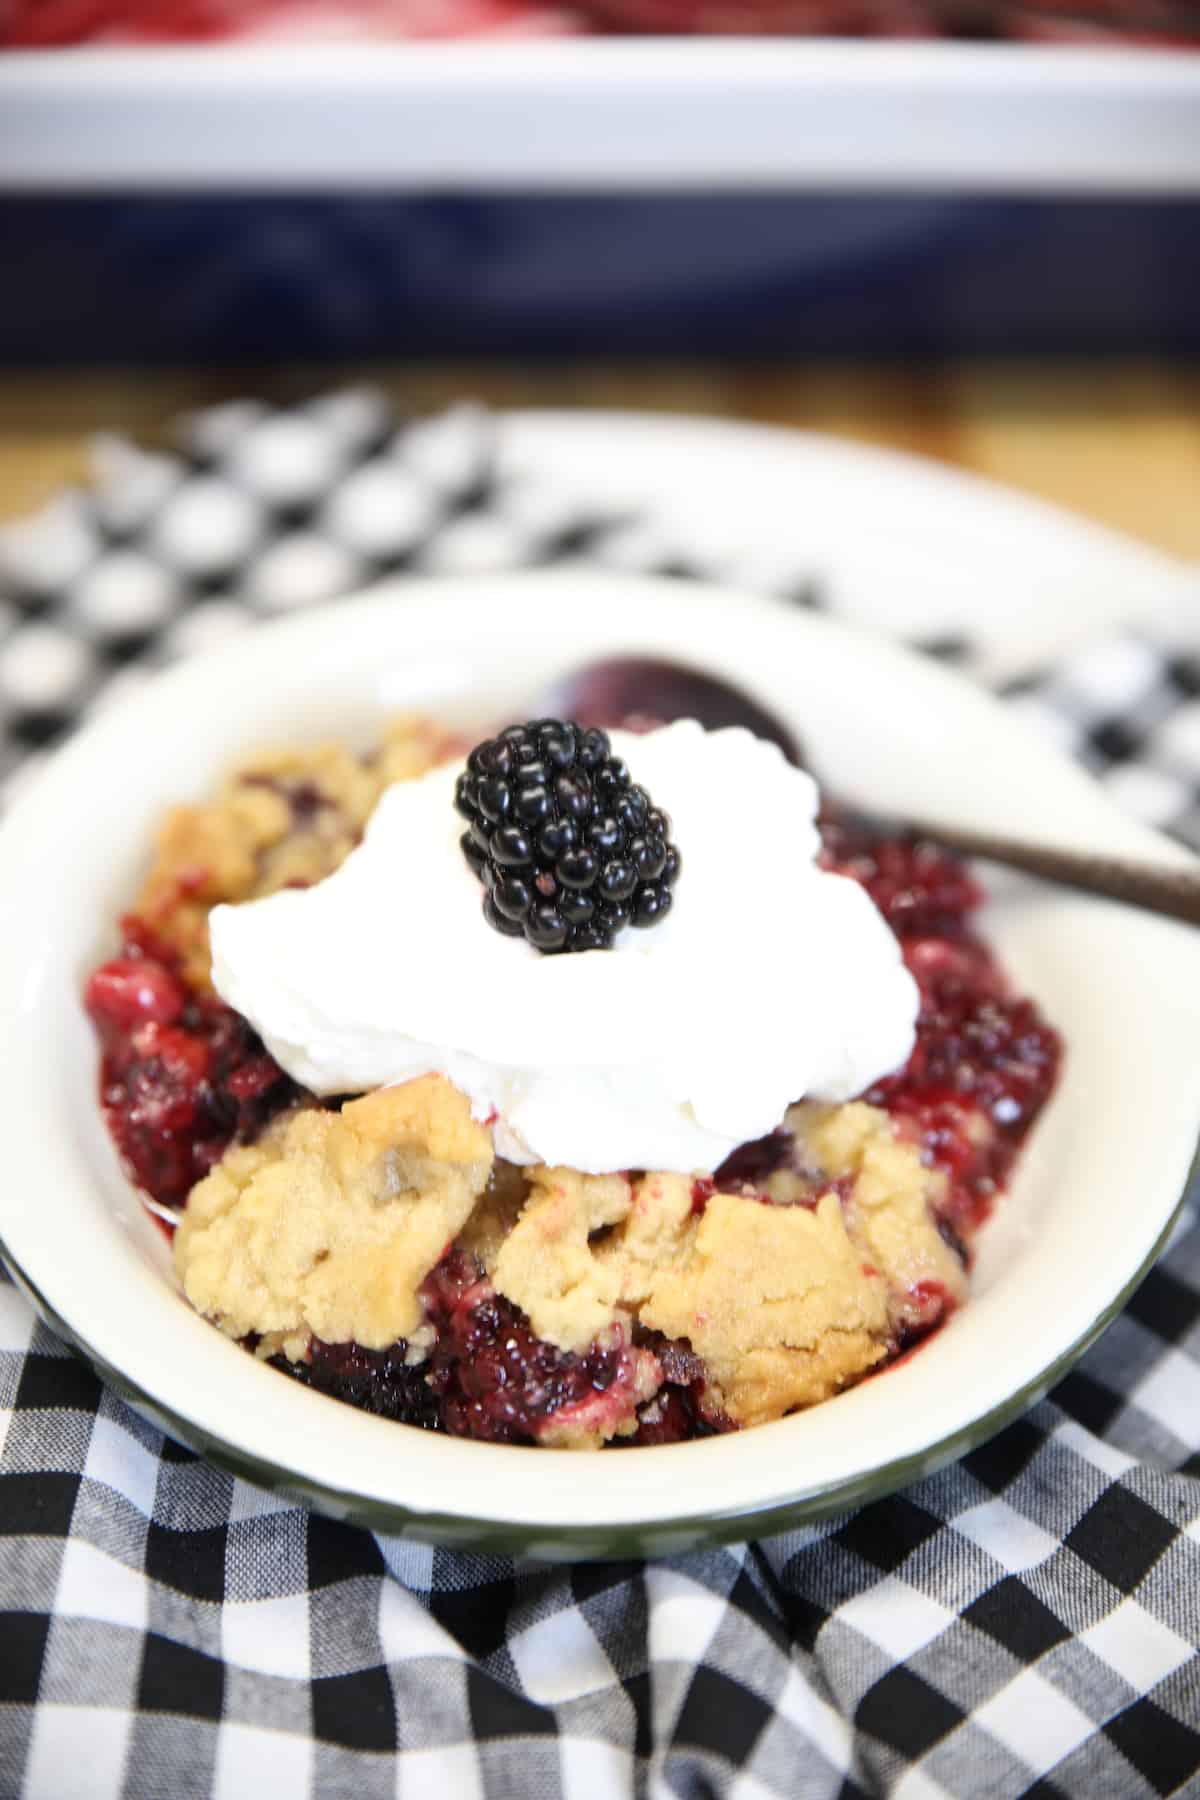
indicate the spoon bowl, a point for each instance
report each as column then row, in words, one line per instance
column 629, row 689
column 620, row 690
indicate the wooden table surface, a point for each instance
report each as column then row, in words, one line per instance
column 1116, row 440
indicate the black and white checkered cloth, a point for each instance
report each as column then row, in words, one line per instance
column 1027, row 1622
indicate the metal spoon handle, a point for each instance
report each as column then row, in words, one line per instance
column 1161, row 889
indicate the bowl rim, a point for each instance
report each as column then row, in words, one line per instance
column 605, row 1524
column 598, row 1542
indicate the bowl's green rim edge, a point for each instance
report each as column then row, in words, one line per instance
column 656, row 1537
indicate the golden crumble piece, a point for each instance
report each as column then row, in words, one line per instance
column 788, row 1297
column 286, row 817
column 330, row 1222
column 834, row 1137
column 655, row 1233
column 576, row 1252
column 776, row 1301
column 774, row 1382
column 497, row 1211
column 892, row 1203
column 410, row 746
column 546, row 1265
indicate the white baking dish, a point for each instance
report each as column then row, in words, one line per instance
column 613, row 114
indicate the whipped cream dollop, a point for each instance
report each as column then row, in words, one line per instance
column 769, row 980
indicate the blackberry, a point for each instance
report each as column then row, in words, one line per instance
column 567, row 847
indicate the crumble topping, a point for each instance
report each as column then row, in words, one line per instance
column 659, row 1223
column 786, row 1294
column 577, row 1252
column 329, row 1225
column 777, row 1302
column 283, row 818
column 893, row 1204
column 496, row 1212
column 584, row 1250
column 330, row 1222
column 546, row 1265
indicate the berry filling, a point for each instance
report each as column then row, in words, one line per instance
column 568, row 849
column 486, row 1376
column 181, row 1075
column 985, row 1061
column 494, row 1379
column 677, row 1411
column 376, row 1381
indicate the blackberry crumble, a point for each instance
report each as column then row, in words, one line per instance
column 414, row 1274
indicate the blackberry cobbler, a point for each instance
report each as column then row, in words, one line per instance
column 462, row 1237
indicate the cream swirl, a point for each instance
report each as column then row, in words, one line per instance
column 769, row 980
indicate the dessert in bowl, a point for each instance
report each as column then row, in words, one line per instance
column 483, row 1268
column 545, row 1139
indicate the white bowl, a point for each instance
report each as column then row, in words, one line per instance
column 1095, row 1194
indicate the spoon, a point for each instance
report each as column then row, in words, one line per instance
column 625, row 690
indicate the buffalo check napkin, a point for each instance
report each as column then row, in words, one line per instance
column 1024, row 1623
